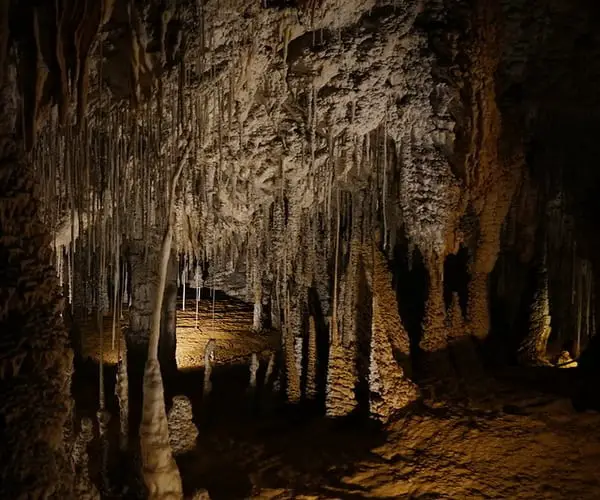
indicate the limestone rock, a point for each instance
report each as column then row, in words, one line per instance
column 182, row 430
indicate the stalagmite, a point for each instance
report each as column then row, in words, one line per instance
column 197, row 295
column 311, row 365
column 182, row 430
column 533, row 348
column 183, row 282
column 340, row 399
column 209, row 358
column 84, row 487
column 269, row 371
column 254, row 365
column 434, row 342
column 158, row 466
column 122, row 393
column 292, row 351
column 390, row 389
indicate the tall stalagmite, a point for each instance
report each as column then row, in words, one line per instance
column 533, row 348
column 389, row 386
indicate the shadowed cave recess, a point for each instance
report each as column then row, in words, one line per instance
column 312, row 249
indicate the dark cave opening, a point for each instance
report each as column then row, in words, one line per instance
column 410, row 281
column 457, row 277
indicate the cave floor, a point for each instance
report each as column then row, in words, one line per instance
column 532, row 445
column 521, row 439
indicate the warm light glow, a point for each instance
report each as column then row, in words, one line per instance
column 231, row 328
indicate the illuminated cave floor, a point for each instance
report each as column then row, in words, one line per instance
column 230, row 326
column 525, row 441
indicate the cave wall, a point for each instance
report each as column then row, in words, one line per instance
column 35, row 357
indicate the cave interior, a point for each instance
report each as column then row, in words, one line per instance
column 305, row 249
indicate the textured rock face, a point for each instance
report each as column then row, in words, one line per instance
column 84, row 488
column 340, row 399
column 35, row 360
column 390, row 388
column 533, row 348
column 182, row 430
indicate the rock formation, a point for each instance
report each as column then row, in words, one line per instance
column 209, row 359
column 390, row 388
column 84, row 488
column 182, row 430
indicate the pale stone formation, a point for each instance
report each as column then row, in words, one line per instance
column 209, row 358
column 182, row 430
column 311, row 368
column 299, row 358
column 434, row 342
column 293, row 358
column 84, row 488
column 159, row 469
column 389, row 387
column 533, row 348
column 254, row 365
column 270, row 368
column 340, row 398
column 122, row 393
